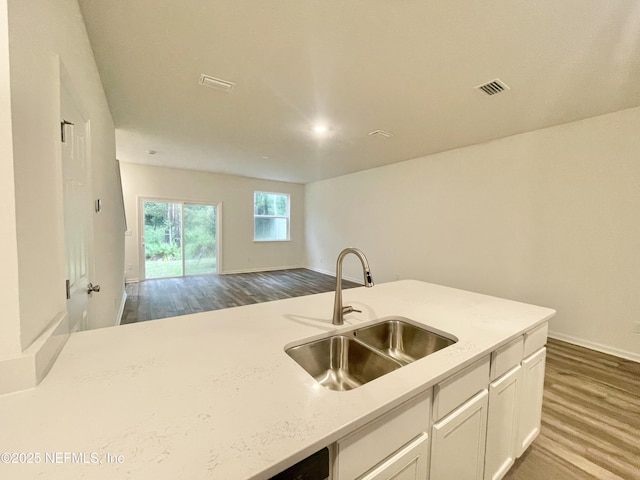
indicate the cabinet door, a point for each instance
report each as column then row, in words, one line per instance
column 458, row 442
column 530, row 414
column 502, row 424
column 409, row 463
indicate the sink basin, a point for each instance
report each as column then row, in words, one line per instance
column 346, row 361
column 402, row 341
column 341, row 362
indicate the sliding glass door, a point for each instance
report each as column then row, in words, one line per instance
column 200, row 246
column 179, row 238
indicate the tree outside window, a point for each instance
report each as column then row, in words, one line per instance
column 271, row 216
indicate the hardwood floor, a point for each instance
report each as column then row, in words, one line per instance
column 591, row 408
column 161, row 298
column 590, row 419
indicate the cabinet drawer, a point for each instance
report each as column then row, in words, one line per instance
column 535, row 339
column 454, row 391
column 366, row 447
column 506, row 357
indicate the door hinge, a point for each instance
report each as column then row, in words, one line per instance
column 63, row 124
column 68, row 287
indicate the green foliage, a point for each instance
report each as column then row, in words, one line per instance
column 155, row 214
column 163, row 237
column 157, row 247
column 200, row 231
column 162, row 225
column 271, row 204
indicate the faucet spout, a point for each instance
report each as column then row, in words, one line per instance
column 338, row 309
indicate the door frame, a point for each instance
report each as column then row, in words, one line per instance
column 141, row 250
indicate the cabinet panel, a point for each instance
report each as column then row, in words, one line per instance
column 530, row 414
column 366, row 447
column 506, row 357
column 535, row 339
column 502, row 424
column 458, row 442
column 454, row 391
column 410, row 463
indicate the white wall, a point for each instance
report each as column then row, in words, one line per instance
column 239, row 252
column 10, row 319
column 548, row 217
column 46, row 38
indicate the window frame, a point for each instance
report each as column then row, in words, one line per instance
column 287, row 217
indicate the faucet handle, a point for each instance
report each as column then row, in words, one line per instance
column 349, row 309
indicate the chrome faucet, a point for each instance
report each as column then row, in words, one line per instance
column 338, row 310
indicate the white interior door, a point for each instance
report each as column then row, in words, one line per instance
column 77, row 209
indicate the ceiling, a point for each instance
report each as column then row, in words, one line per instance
column 408, row 67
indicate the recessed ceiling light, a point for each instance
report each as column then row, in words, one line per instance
column 320, row 128
column 151, row 152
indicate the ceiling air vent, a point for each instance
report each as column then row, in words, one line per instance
column 216, row 83
column 380, row 133
column 493, row 87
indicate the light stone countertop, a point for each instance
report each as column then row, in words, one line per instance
column 214, row 396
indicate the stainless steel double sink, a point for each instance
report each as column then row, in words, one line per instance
column 348, row 360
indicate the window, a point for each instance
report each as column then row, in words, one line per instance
column 270, row 216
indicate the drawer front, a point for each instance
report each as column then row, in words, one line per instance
column 454, row 391
column 535, row 339
column 366, row 447
column 506, row 357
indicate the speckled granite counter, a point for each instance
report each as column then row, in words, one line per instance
column 214, row 395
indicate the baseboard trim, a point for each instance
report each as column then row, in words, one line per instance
column 256, row 270
column 634, row 357
column 27, row 369
column 121, row 309
column 333, row 274
column 321, row 270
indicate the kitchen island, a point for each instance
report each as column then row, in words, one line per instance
column 215, row 396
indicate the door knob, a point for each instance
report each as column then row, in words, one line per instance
column 92, row 288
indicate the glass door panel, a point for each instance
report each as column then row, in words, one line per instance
column 200, row 242
column 162, row 239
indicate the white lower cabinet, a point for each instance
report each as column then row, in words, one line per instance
column 502, row 424
column 530, row 414
column 458, row 442
column 476, row 434
column 394, row 445
column 410, row 463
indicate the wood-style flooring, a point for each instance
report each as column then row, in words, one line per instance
column 590, row 419
column 591, row 408
column 161, row 298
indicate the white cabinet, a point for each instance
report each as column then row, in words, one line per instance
column 476, row 434
column 457, row 389
column 506, row 357
column 502, row 423
column 458, row 442
column 530, row 414
column 382, row 440
column 409, row 463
